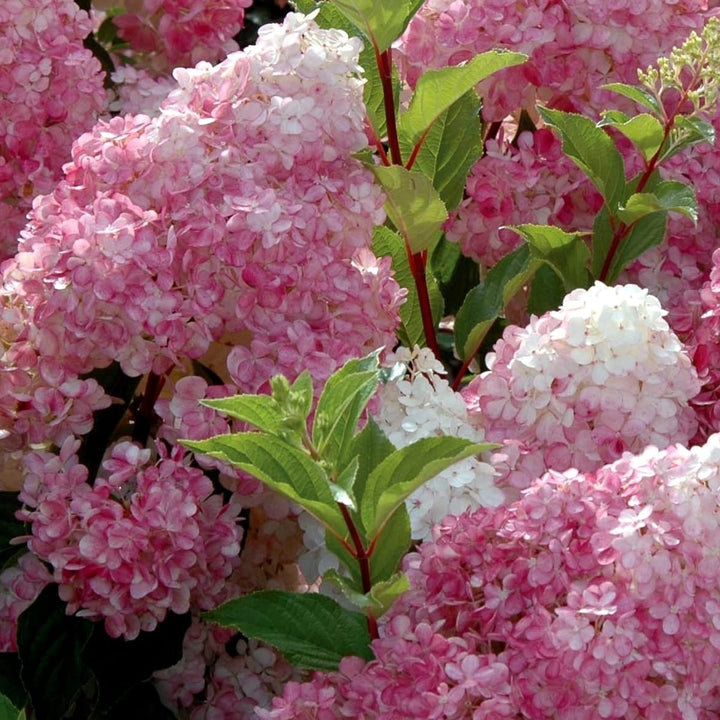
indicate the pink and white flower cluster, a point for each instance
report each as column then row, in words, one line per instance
column 51, row 90
column 145, row 540
column 593, row 596
column 579, row 386
column 165, row 34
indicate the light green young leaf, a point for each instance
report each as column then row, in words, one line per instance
column 485, row 303
column 260, row 411
column 390, row 546
column 345, row 396
column 342, row 488
column 386, row 592
column 382, row 21
column 566, row 252
column 405, row 470
column 437, row 90
column 688, row 131
column 412, row 204
column 282, row 467
column 637, row 93
column 8, row 711
column 644, row 131
column 592, row 150
column 388, row 242
column 451, row 148
column 668, row 195
column 311, row 630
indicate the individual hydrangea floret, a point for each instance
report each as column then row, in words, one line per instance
column 580, row 385
column 593, row 596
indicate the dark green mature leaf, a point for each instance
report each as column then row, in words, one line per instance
column 592, row 150
column 284, row 468
column 566, row 252
column 388, row 242
column 644, row 131
column 390, row 546
column 382, row 21
column 667, row 196
column 51, row 645
column 343, row 400
column 647, row 232
column 546, row 292
column 437, row 90
column 413, row 205
column 405, row 470
column 120, row 665
column 311, row 630
column 639, row 94
column 10, row 684
column 451, row 148
column 485, row 303
column 455, row 273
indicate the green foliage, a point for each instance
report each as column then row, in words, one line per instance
column 592, row 150
column 413, row 205
column 411, row 333
column 8, row 711
column 486, row 302
column 381, row 21
column 51, row 649
column 311, row 630
column 451, row 147
column 644, row 131
column 437, row 90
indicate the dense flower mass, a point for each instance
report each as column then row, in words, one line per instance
column 593, row 596
column 180, row 33
column 580, row 385
column 51, row 90
column 139, row 543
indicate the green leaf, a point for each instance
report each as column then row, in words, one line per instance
column 412, row 204
column 260, row 411
column 388, row 242
column 437, row 90
column 566, row 252
column 51, row 645
column 686, row 132
column 451, row 148
column 639, row 94
column 383, row 21
column 120, row 665
column 546, row 292
column 456, row 275
column 644, row 131
column 311, row 630
column 342, row 488
column 344, row 398
column 647, row 232
column 669, row 195
column 405, row 470
column 383, row 594
column 10, row 683
column 601, row 240
column 485, row 303
column 7, row 710
column 592, row 150
column 390, row 546
column 282, row 467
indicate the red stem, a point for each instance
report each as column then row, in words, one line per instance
column 363, row 558
column 145, row 414
column 461, row 373
column 418, row 263
column 384, row 63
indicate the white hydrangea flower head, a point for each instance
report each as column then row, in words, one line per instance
column 422, row 405
column 581, row 385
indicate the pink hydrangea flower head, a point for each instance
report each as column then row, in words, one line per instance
column 592, row 596
column 51, row 90
column 146, row 539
